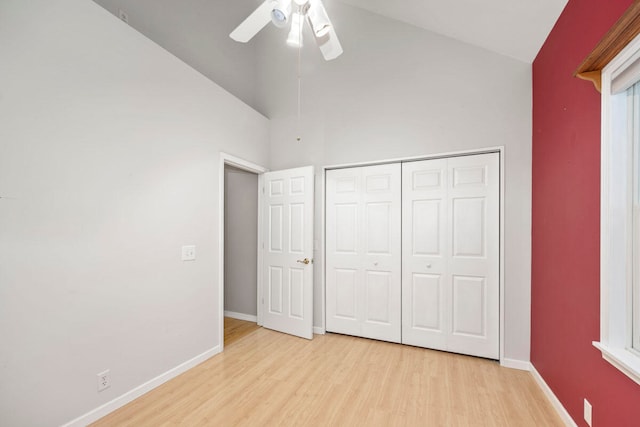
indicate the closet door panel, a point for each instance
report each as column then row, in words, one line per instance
column 450, row 266
column 425, row 297
column 363, row 247
column 344, row 305
column 425, row 310
column 345, row 294
column 381, row 257
column 474, row 200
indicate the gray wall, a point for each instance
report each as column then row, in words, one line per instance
column 399, row 91
column 240, row 241
column 109, row 163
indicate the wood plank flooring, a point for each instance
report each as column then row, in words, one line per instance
column 235, row 330
column 265, row 378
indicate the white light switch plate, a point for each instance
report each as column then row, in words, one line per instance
column 189, row 253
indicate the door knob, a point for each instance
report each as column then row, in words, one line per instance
column 428, row 265
column 304, row 261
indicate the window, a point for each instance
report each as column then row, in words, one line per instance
column 620, row 212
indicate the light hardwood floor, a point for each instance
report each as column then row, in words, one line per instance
column 235, row 330
column 265, row 378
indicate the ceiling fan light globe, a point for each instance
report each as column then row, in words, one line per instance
column 280, row 12
column 279, row 19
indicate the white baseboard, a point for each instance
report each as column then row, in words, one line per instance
column 120, row 401
column 319, row 330
column 522, row 365
column 566, row 418
column 241, row 316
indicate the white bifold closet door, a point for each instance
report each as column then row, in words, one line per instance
column 363, row 265
column 450, row 263
column 437, row 289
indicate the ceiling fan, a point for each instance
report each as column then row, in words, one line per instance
column 292, row 12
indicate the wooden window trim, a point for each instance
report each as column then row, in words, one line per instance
column 618, row 36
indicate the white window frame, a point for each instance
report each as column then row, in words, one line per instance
column 617, row 294
column 634, row 211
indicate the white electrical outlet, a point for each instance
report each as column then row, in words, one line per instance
column 587, row 412
column 104, row 380
column 189, row 253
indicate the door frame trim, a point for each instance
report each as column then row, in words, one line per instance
column 497, row 149
column 237, row 162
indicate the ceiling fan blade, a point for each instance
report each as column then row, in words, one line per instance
column 254, row 23
column 328, row 43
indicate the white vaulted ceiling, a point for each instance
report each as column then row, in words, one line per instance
column 197, row 31
column 516, row 28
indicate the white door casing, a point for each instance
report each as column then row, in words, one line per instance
column 451, row 289
column 287, row 280
column 363, row 263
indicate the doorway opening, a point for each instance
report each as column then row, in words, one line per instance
column 239, row 225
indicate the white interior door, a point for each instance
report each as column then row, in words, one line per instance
column 450, row 284
column 287, row 270
column 363, row 269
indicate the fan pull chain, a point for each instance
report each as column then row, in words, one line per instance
column 298, row 138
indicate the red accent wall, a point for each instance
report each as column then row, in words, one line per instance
column 565, row 295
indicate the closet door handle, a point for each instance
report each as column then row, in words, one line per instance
column 304, row 261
